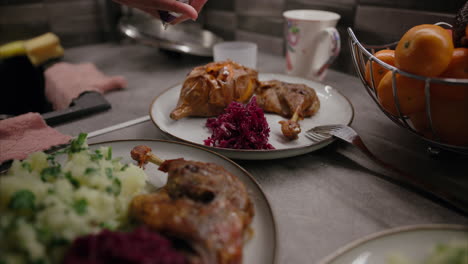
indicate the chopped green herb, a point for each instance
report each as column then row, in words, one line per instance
column 118, row 159
column 76, row 145
column 124, row 167
column 109, row 173
column 80, row 206
column 105, row 225
column 59, row 241
column 22, row 200
column 97, row 155
column 50, row 191
column 50, row 173
column 115, row 188
column 109, row 153
column 90, row 171
column 39, row 261
column 26, row 165
column 44, row 235
column 72, row 180
column 51, row 158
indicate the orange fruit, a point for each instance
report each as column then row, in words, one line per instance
column 424, row 50
column 387, row 56
column 458, row 68
column 449, row 119
column 419, row 121
column 421, row 124
column 410, row 93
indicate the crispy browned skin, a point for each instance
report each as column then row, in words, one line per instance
column 290, row 129
column 209, row 89
column 290, row 100
column 139, row 153
column 202, row 204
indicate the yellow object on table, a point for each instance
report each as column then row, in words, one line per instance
column 12, row 49
column 38, row 49
column 43, row 48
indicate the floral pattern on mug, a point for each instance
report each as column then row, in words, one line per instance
column 292, row 38
column 292, row 35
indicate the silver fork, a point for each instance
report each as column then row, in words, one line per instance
column 347, row 134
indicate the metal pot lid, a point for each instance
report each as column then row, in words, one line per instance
column 187, row 37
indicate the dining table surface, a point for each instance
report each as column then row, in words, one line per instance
column 321, row 200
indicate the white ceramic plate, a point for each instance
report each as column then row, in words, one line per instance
column 334, row 109
column 261, row 249
column 414, row 243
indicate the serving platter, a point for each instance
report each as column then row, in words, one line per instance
column 335, row 108
column 412, row 243
column 261, row 248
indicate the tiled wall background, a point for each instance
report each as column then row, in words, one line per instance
column 79, row 22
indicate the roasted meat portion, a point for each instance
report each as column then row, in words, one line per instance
column 201, row 204
column 208, row 89
column 291, row 100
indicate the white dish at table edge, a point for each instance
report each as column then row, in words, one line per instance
column 335, row 108
column 414, row 242
column 262, row 247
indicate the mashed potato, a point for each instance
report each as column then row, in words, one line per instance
column 46, row 201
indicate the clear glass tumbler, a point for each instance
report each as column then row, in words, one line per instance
column 244, row 53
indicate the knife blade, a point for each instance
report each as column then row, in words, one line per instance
column 87, row 103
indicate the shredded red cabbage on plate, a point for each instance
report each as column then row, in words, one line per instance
column 140, row 246
column 239, row 127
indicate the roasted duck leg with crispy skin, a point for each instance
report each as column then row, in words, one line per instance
column 201, row 203
column 291, row 100
column 209, row 89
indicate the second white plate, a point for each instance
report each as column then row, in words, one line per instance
column 412, row 244
column 334, row 109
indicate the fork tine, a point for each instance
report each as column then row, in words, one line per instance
column 316, row 136
column 311, row 137
column 326, row 128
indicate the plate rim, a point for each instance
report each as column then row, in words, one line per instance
column 392, row 231
column 250, row 176
column 257, row 151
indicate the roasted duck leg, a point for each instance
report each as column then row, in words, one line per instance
column 291, row 128
column 291, row 100
column 209, row 89
column 201, row 204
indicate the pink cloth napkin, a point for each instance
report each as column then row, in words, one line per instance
column 65, row 82
column 25, row 134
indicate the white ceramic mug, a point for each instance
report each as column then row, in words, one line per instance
column 312, row 42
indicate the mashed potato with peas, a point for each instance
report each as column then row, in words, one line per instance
column 48, row 200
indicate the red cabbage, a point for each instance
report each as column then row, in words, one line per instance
column 239, row 127
column 140, row 246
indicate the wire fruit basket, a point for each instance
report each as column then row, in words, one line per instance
column 364, row 54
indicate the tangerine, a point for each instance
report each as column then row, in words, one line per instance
column 378, row 72
column 424, row 50
column 410, row 93
column 458, row 69
column 449, row 120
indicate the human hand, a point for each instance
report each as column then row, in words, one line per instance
column 153, row 6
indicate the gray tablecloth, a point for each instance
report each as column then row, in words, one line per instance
column 322, row 200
